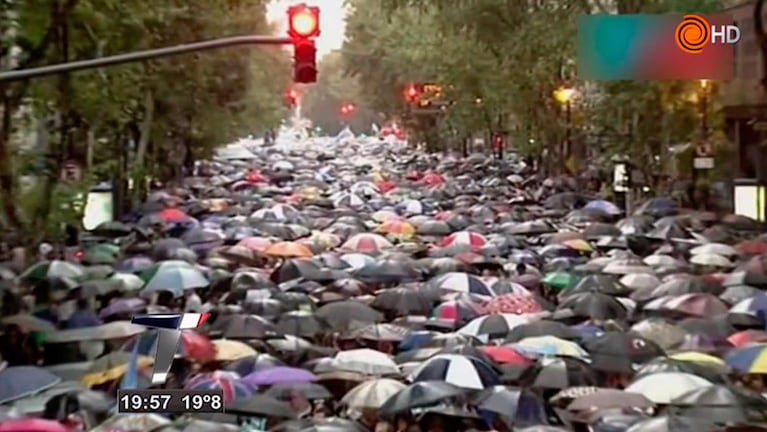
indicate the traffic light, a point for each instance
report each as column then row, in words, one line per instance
column 347, row 108
column 303, row 27
column 303, row 21
column 291, row 97
column 305, row 62
column 412, row 93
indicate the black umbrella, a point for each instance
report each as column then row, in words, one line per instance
column 300, row 323
column 417, row 395
column 261, row 405
column 721, row 404
column 404, row 301
column 605, row 284
column 112, row 229
column 96, row 403
column 309, row 390
column 522, row 407
column 559, row 373
column 595, row 306
column 303, row 268
column 619, row 352
column 348, row 314
column 541, row 328
column 387, row 271
column 243, row 327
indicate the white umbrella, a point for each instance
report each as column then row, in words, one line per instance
column 663, row 387
column 365, row 361
column 373, row 393
column 661, row 261
column 636, row 281
column 711, row 260
column 714, row 248
column 622, row 268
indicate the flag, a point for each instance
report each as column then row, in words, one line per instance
column 130, row 379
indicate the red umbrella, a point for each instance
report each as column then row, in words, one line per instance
column 256, row 177
column 197, row 346
column 385, row 185
column 466, row 238
column 751, row 247
column 511, row 304
column 747, row 337
column 32, row 425
column 506, row 355
column 433, row 179
column 173, row 215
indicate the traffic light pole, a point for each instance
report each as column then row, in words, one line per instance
column 138, row 56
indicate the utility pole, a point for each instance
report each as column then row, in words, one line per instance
column 138, row 56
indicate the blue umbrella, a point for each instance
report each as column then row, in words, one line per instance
column 603, row 206
column 17, row 382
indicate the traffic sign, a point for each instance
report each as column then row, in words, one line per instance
column 703, row 150
column 703, row 163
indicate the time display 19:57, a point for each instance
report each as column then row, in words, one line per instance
column 170, row 401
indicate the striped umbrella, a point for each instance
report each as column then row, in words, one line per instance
column 464, row 238
column 367, row 243
column 461, row 282
column 751, row 359
column 461, row 371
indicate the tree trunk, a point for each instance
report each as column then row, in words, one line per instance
column 7, row 189
column 761, row 39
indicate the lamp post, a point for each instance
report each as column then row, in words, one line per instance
column 564, row 96
column 701, row 151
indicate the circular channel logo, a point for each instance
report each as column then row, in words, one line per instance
column 692, row 34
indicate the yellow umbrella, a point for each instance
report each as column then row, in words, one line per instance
column 579, row 245
column 698, row 357
column 112, row 367
column 231, row 350
column 397, row 227
column 310, row 193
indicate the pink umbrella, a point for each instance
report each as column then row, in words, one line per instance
column 32, row 425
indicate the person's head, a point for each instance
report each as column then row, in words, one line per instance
column 82, row 304
column 521, row 268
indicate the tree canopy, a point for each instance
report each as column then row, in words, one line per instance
column 500, row 62
column 150, row 118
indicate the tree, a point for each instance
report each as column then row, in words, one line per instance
column 137, row 113
column 322, row 102
column 512, row 55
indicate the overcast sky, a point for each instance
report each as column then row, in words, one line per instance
column 332, row 21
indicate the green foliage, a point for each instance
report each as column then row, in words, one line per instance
column 512, row 55
column 198, row 101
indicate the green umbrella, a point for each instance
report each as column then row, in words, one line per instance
column 102, row 253
column 52, row 269
column 560, row 280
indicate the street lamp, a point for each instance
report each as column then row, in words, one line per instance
column 564, row 96
column 704, row 87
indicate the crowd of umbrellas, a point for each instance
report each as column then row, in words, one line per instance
column 356, row 286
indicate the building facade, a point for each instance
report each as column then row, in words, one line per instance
column 744, row 102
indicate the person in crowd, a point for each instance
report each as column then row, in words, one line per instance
column 83, row 316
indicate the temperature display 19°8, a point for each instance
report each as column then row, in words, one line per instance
column 170, row 401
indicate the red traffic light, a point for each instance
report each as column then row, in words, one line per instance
column 412, row 93
column 291, row 97
column 347, row 108
column 498, row 141
column 303, row 21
